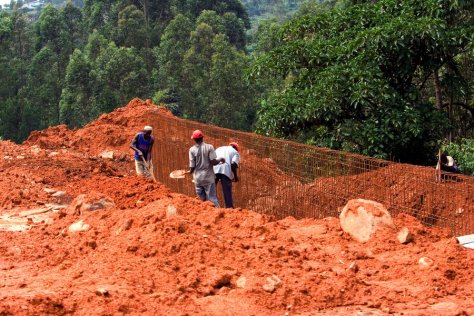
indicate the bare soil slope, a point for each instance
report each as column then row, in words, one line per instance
column 149, row 251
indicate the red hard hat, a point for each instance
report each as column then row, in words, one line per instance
column 197, row 134
column 235, row 145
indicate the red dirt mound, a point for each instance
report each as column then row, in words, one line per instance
column 112, row 131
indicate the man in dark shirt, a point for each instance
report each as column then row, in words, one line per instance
column 142, row 144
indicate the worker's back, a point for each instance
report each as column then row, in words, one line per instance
column 200, row 156
column 231, row 156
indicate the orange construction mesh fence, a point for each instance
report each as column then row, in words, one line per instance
column 283, row 178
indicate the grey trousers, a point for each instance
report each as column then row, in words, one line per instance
column 207, row 192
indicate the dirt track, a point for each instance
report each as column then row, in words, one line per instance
column 151, row 251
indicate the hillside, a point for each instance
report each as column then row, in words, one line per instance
column 150, row 251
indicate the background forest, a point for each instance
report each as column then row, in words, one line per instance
column 390, row 78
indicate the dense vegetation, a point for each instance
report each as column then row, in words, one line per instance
column 389, row 78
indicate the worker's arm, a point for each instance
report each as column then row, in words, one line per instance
column 213, row 157
column 192, row 162
column 133, row 145
column 234, row 168
column 217, row 161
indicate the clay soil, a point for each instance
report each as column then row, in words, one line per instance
column 149, row 251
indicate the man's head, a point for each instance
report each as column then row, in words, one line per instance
column 235, row 146
column 197, row 136
column 147, row 130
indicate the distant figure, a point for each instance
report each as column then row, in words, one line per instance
column 227, row 172
column 202, row 158
column 448, row 163
column 142, row 144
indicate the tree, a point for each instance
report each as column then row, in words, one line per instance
column 353, row 77
column 119, row 76
column 235, row 30
column 196, row 66
column 15, row 55
column 41, row 93
column 195, row 7
column 76, row 106
column 231, row 101
column 131, row 31
column 170, row 54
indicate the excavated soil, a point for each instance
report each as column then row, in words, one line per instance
column 148, row 251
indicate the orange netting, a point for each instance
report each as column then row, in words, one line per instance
column 283, row 178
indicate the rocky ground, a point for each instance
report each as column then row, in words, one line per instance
column 81, row 234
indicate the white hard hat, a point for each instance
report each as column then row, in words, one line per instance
column 148, row 128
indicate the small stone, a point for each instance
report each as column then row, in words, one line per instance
column 354, row 267
column 171, row 211
column 127, row 224
column 102, row 291
column 425, row 262
column 79, row 226
column 59, row 194
column 271, row 284
column 108, row 154
column 241, row 282
column 404, row 236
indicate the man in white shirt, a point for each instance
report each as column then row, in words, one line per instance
column 227, row 171
column 201, row 159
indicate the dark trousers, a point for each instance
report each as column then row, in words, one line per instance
column 226, row 189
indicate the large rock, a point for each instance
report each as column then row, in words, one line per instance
column 361, row 218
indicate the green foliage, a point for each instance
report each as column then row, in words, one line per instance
column 463, row 152
column 134, row 48
column 120, row 77
column 174, row 44
column 41, row 93
column 353, row 73
column 76, row 106
column 230, row 99
column 131, row 31
column 195, row 7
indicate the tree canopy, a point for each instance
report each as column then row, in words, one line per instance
column 385, row 78
column 356, row 78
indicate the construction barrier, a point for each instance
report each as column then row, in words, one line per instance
column 283, row 178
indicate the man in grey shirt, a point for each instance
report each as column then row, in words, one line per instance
column 202, row 158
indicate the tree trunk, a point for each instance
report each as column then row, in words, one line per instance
column 438, row 92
